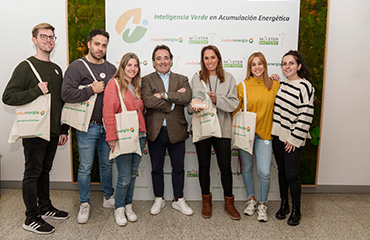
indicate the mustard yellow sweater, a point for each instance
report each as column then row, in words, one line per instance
column 260, row 101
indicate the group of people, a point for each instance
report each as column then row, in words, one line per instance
column 284, row 114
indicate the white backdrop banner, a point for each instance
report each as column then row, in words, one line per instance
column 237, row 29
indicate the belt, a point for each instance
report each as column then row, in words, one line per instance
column 96, row 122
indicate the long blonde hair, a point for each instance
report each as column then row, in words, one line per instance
column 266, row 78
column 122, row 78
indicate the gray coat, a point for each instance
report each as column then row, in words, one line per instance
column 227, row 99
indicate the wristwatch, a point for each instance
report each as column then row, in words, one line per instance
column 163, row 94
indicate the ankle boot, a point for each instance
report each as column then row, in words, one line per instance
column 207, row 206
column 284, row 209
column 230, row 208
column 295, row 216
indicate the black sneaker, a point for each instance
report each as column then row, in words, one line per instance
column 38, row 225
column 55, row 214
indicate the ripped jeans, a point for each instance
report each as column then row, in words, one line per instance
column 127, row 165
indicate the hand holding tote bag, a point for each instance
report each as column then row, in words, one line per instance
column 244, row 127
column 205, row 123
column 78, row 115
column 32, row 119
column 127, row 126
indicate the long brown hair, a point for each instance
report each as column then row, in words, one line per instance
column 204, row 73
column 303, row 72
column 122, row 78
column 266, row 78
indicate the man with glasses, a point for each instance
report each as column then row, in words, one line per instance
column 78, row 74
column 24, row 87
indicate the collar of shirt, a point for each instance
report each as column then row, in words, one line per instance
column 166, row 79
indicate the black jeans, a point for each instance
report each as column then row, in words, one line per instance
column 288, row 170
column 222, row 147
column 157, row 152
column 39, row 155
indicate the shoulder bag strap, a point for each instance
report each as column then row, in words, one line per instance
column 245, row 97
column 34, row 70
column 123, row 105
column 205, row 86
column 88, row 68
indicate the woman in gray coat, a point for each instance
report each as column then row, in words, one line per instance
column 221, row 89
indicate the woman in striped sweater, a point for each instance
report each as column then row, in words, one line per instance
column 293, row 115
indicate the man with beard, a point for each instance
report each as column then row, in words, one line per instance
column 23, row 88
column 78, row 75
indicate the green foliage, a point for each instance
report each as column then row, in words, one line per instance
column 312, row 35
column 83, row 16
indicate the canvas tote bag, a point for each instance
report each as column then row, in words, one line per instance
column 244, row 127
column 127, row 126
column 32, row 119
column 78, row 115
column 205, row 123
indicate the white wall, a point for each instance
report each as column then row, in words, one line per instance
column 345, row 143
column 17, row 20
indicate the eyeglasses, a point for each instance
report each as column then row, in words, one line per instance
column 46, row 37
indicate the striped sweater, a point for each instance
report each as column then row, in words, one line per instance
column 293, row 111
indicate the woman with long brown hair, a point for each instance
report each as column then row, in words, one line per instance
column 223, row 95
column 129, row 81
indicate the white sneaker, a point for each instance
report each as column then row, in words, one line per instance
column 251, row 207
column 83, row 214
column 157, row 206
column 108, row 203
column 181, row 205
column 262, row 213
column 119, row 215
column 131, row 216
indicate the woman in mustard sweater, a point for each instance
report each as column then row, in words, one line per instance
column 261, row 92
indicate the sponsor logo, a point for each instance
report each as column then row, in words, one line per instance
column 238, row 40
column 171, row 39
column 233, row 63
column 248, row 129
column 268, row 41
column 192, row 63
column 140, row 172
column 274, row 64
column 141, row 187
column 198, row 40
column 42, row 113
column 138, row 33
column 192, row 174
column 132, row 129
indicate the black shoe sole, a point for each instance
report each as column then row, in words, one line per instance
column 293, row 223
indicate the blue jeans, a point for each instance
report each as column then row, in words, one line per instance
column 263, row 152
column 127, row 165
column 87, row 142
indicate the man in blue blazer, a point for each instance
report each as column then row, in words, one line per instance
column 165, row 95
